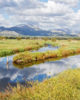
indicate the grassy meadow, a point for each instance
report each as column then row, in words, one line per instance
column 12, row 46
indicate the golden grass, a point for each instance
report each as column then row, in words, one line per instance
column 11, row 46
column 65, row 86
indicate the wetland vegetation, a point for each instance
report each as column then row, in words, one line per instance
column 12, row 46
column 63, row 86
column 66, row 48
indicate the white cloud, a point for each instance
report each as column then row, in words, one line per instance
column 48, row 15
column 68, row 2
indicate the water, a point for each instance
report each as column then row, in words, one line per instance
column 10, row 74
column 49, row 47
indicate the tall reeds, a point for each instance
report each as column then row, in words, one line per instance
column 65, row 86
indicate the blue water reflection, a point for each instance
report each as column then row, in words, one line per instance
column 10, row 74
column 49, row 47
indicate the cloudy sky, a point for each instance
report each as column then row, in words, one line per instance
column 46, row 14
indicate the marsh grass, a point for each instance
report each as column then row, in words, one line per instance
column 29, row 57
column 66, row 48
column 12, row 46
column 22, row 66
column 65, row 86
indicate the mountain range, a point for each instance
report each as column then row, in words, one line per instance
column 28, row 30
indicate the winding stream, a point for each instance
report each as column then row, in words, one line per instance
column 10, row 74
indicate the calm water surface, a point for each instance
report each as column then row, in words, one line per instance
column 49, row 47
column 9, row 74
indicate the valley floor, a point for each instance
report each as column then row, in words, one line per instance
column 65, row 86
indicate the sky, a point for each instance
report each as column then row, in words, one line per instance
column 45, row 14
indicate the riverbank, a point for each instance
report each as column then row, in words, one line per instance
column 65, row 86
column 65, row 50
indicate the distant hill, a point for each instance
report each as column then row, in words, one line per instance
column 29, row 30
column 9, row 33
column 26, row 30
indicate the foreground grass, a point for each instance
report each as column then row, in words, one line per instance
column 65, row 86
column 67, row 48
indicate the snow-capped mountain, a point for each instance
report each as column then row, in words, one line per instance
column 30, row 30
column 26, row 30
